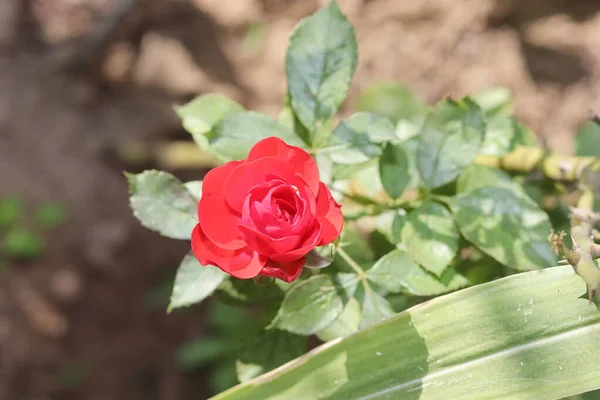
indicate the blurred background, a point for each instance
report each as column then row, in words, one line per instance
column 87, row 85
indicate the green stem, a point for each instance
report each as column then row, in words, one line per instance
column 359, row 271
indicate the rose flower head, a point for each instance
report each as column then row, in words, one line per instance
column 262, row 215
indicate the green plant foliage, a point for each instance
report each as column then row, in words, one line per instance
column 394, row 170
column 162, row 203
column 503, row 134
column 268, row 351
column 22, row 243
column 315, row 303
column 375, row 308
column 50, row 215
column 507, row 225
column 346, row 323
column 393, row 101
column 587, row 140
column 234, row 135
column 319, row 64
column 450, row 139
column 430, row 237
column 247, row 292
column 360, row 138
column 494, row 101
column 500, row 340
column 195, row 189
column 478, row 176
column 194, row 282
column 398, row 273
column 200, row 115
column 11, row 210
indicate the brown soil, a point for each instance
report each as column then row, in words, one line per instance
column 79, row 77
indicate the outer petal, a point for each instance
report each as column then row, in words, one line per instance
column 219, row 222
column 302, row 163
column 214, row 180
column 241, row 263
column 287, row 272
column 329, row 214
column 250, row 174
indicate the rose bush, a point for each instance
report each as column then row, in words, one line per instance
column 262, row 215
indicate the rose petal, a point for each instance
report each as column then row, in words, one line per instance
column 287, row 272
column 329, row 214
column 241, row 263
column 302, row 163
column 251, row 174
column 266, row 245
column 310, row 241
column 214, row 180
column 219, row 222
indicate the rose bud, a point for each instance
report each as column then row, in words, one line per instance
column 262, row 215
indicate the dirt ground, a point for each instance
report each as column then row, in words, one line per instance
column 77, row 78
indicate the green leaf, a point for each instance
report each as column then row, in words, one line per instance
column 430, row 236
column 393, row 101
column 320, row 62
column 198, row 352
column 394, row 170
column 22, row 243
column 527, row 336
column 50, row 215
column 234, row 135
column 396, row 272
column 493, row 101
column 355, row 246
column 504, row 134
column 194, row 282
column 346, row 324
column 11, row 210
column 268, row 351
column 195, row 188
column 374, row 308
column 315, row 303
column 200, row 115
column 162, row 203
column 507, row 225
column 477, row 176
column 449, row 141
column 587, row 141
column 359, row 138
column 247, row 292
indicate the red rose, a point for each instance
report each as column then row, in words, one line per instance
column 260, row 216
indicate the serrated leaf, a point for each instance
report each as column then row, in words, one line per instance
column 504, row 134
column 194, row 282
column 450, row 139
column 477, row 176
column 320, row 61
column 587, row 140
column 346, row 324
column 200, row 115
column 234, row 135
column 394, row 170
column 393, row 101
column 375, row 308
column 162, row 203
column 268, row 351
column 396, row 272
column 359, row 138
column 315, row 303
column 507, row 225
column 430, row 236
